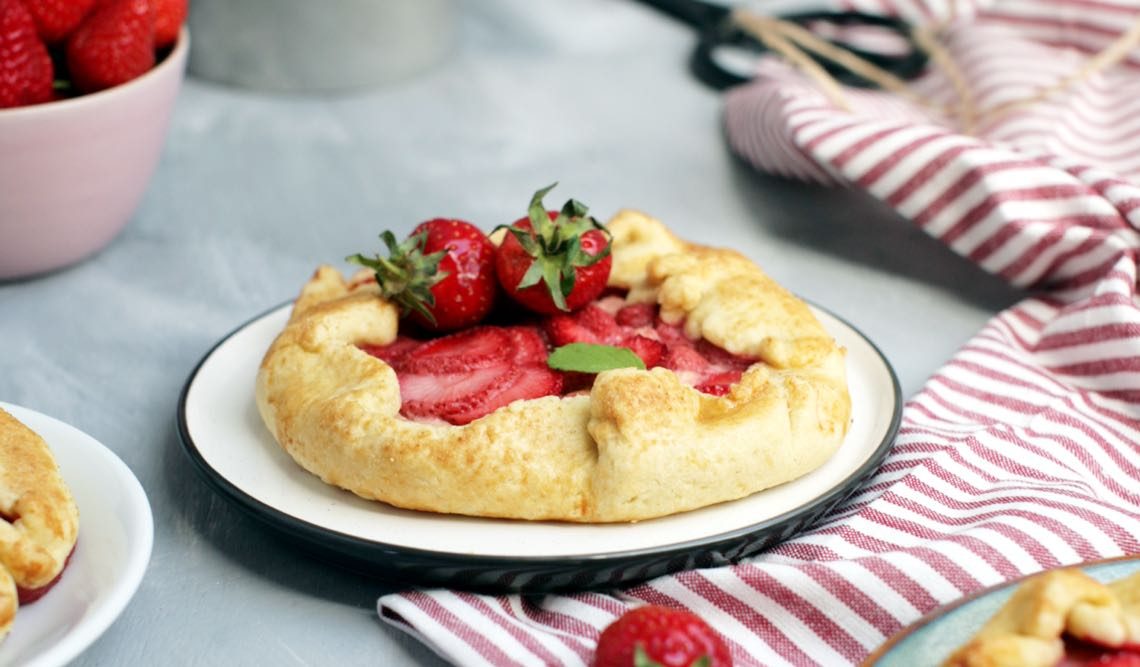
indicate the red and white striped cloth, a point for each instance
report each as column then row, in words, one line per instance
column 1023, row 451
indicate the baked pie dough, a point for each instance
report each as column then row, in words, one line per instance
column 39, row 521
column 1031, row 628
column 640, row 444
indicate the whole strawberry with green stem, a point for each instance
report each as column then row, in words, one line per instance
column 25, row 65
column 442, row 276
column 551, row 262
column 654, row 635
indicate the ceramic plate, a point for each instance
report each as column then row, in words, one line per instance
column 116, row 533
column 931, row 639
column 224, row 436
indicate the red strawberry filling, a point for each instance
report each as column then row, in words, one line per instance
column 1084, row 654
column 463, row 376
column 30, row 595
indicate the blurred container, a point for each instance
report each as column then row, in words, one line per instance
column 73, row 172
column 318, row 45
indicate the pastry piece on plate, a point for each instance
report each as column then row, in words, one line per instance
column 39, row 521
column 8, row 602
column 739, row 388
column 1060, row 618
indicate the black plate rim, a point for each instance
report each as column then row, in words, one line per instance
column 352, row 545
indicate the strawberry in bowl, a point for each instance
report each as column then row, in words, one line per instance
column 684, row 377
column 86, row 92
column 54, row 49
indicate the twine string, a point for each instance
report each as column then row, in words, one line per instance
column 792, row 41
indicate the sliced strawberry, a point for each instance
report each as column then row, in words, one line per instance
column 718, row 384
column 566, row 329
column 466, row 375
column 672, row 335
column 602, row 323
column 460, row 398
column 527, row 345
column 722, row 358
column 684, row 358
column 440, row 395
column 529, row 382
column 611, row 303
column 463, row 351
column 394, row 353
column 637, row 315
column 651, row 351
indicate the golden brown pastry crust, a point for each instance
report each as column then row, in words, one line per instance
column 1028, row 630
column 640, row 445
column 34, row 546
column 8, row 602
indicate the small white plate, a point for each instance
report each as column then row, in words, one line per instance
column 223, row 434
column 116, row 532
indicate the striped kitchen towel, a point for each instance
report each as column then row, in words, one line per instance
column 1022, row 453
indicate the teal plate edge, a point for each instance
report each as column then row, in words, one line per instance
column 932, row 638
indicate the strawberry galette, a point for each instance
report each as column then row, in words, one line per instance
column 39, row 521
column 684, row 377
column 1061, row 618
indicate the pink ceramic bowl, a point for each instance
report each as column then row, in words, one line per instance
column 73, row 172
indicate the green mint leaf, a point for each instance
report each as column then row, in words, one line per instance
column 592, row 358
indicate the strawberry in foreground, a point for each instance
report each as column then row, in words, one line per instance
column 554, row 262
column 656, row 635
column 25, row 65
column 442, row 276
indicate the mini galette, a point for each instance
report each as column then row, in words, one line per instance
column 742, row 389
column 39, row 521
column 1060, row 618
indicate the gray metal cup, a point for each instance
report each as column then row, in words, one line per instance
column 318, row 45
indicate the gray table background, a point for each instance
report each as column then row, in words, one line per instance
column 254, row 189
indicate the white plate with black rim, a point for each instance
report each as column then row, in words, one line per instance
column 116, row 533
column 223, row 434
